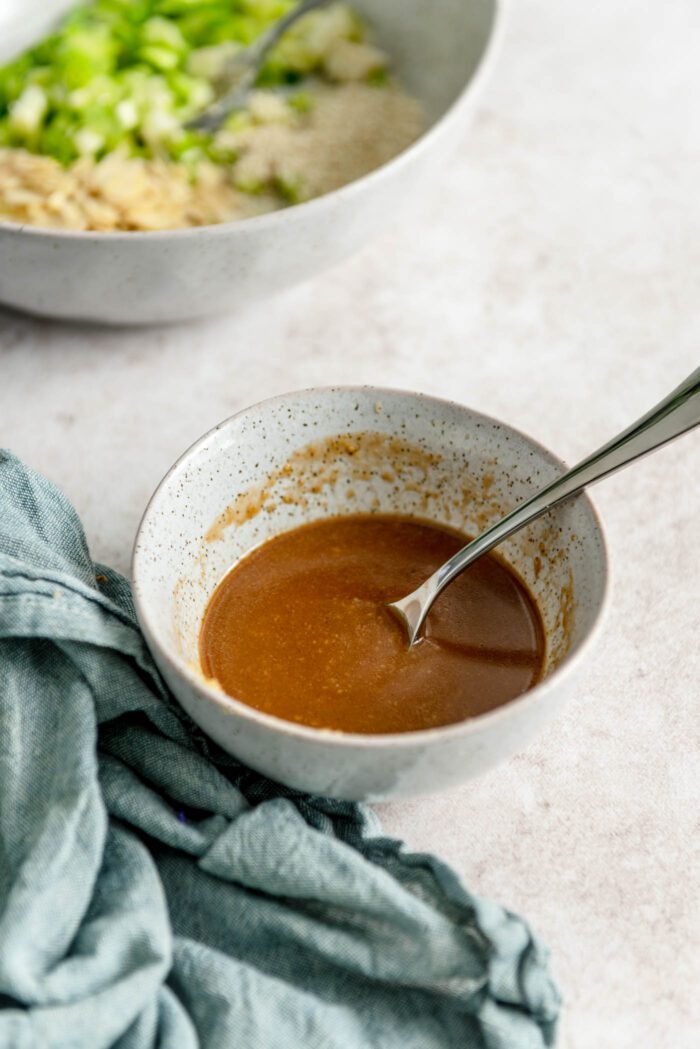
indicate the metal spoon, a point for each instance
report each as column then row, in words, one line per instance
column 242, row 70
column 672, row 417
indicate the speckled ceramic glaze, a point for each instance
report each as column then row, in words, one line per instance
column 317, row 453
column 132, row 278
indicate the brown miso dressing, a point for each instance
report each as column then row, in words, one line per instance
column 299, row 629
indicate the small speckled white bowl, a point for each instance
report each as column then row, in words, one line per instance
column 319, row 453
column 440, row 51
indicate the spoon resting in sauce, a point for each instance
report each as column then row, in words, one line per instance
column 299, row 629
column 675, row 415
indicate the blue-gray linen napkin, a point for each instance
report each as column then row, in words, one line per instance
column 155, row 894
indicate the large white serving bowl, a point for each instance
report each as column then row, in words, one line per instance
column 439, row 50
column 277, row 465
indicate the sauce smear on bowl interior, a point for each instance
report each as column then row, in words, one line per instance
column 299, row 629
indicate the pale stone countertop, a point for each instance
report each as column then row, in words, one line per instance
column 550, row 275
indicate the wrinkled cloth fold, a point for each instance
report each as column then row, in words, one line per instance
column 155, row 894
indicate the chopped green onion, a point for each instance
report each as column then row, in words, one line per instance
column 128, row 75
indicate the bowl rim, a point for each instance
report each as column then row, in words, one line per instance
column 315, row 205
column 333, row 737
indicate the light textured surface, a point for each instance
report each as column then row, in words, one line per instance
column 549, row 276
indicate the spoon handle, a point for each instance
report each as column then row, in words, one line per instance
column 252, row 58
column 672, row 417
column 267, row 40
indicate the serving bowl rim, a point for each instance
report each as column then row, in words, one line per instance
column 442, row 733
column 309, row 207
